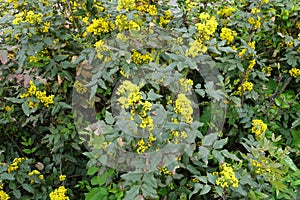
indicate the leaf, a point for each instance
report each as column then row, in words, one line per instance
column 150, row 180
column 96, row 194
column 288, row 161
column 153, row 96
column 230, row 155
column 205, row 189
column 17, row 194
column 209, row 139
column 149, row 191
column 3, row 56
column 109, row 119
column 218, row 156
column 220, row 143
column 25, row 108
column 14, row 100
column 92, row 170
column 65, row 105
column 197, row 187
column 6, row 176
column 132, row 193
column 28, row 188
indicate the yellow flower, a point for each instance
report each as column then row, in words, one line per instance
column 294, row 72
column 227, row 177
column 7, row 108
column 15, row 164
column 258, row 128
column 186, row 84
column 4, row 195
column 227, row 34
column 246, row 86
column 62, row 177
column 183, row 107
column 226, row 11
column 59, row 194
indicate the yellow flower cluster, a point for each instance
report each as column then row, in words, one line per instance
column 267, row 70
column 251, row 64
column 79, row 87
column 139, row 58
column 124, row 24
column 294, row 72
column 33, row 18
column 226, row 177
column 139, row 5
column 259, row 128
column 62, row 177
column 196, row 47
column 100, row 26
column 228, row 34
column 246, row 86
column 252, row 45
column 208, row 25
column 163, row 21
column 259, row 168
column 186, row 84
column 131, row 94
column 29, row 17
column 132, row 99
column 183, row 107
column 100, row 47
column 41, row 96
column 142, row 147
column 15, row 164
column 4, row 195
column 16, row 3
column 255, row 10
column 164, row 171
column 226, row 11
column 256, row 23
column 176, row 136
column 35, row 172
column 59, row 194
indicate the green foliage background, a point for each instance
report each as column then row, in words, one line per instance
column 258, row 61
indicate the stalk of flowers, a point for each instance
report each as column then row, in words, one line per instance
column 258, row 128
column 59, row 194
column 35, row 172
column 131, row 99
column 32, row 91
column 226, row 177
column 184, row 108
column 15, row 164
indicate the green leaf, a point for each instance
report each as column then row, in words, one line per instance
column 218, row 156
column 109, row 119
column 152, row 96
column 149, row 191
column 220, row 143
column 6, row 176
column 96, row 194
column 14, row 100
column 209, row 139
column 92, row 170
column 25, row 108
column 230, row 155
column 288, row 161
column 28, row 188
column 205, row 189
column 17, row 193
column 132, row 193
column 197, row 187
column 65, row 105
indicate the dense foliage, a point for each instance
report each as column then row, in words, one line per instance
column 143, row 99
